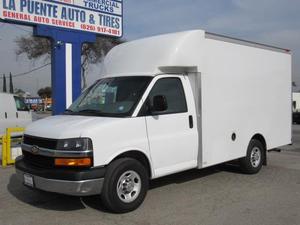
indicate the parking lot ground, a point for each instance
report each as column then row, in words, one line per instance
column 216, row 195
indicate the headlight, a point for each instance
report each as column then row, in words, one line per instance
column 75, row 144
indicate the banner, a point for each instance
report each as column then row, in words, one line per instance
column 97, row 16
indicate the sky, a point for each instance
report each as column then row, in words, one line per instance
column 273, row 22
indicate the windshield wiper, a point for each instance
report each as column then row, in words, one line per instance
column 89, row 111
column 68, row 111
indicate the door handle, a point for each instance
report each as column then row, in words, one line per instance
column 17, row 114
column 191, row 122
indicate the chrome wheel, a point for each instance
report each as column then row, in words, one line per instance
column 255, row 157
column 129, row 186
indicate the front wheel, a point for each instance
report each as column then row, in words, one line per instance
column 125, row 185
column 253, row 161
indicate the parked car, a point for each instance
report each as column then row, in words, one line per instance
column 49, row 108
column 13, row 112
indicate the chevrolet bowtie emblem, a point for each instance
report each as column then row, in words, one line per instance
column 35, row 149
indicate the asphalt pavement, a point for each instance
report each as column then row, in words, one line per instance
column 213, row 196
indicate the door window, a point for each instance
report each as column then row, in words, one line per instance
column 20, row 104
column 173, row 91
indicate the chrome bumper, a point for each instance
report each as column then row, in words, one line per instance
column 75, row 188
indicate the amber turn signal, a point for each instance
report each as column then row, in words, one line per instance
column 73, row 162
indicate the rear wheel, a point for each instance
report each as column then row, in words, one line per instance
column 253, row 161
column 125, row 185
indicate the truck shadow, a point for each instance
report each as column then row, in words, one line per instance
column 58, row 202
column 177, row 178
column 193, row 174
column 42, row 199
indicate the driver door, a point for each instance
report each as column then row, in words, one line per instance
column 172, row 137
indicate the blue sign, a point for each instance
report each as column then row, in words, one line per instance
column 96, row 16
column 64, row 22
column 33, row 101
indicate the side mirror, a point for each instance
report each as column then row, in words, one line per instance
column 159, row 103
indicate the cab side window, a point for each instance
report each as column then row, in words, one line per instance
column 173, row 91
column 20, row 104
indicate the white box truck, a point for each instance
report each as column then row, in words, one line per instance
column 13, row 112
column 166, row 104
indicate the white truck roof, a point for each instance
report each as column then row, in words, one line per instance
column 5, row 93
column 162, row 53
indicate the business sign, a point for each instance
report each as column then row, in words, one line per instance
column 96, row 16
column 33, row 101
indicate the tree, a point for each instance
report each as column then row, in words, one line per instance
column 48, row 92
column 20, row 92
column 4, row 83
column 93, row 53
column 45, row 92
column 33, row 47
column 11, row 86
column 36, row 47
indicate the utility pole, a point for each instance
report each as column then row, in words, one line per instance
column 4, row 83
column 11, row 86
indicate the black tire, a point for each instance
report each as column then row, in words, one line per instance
column 251, row 164
column 117, row 170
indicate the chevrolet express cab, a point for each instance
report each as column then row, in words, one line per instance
column 166, row 104
column 13, row 112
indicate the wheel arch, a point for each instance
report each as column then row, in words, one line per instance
column 137, row 155
column 262, row 140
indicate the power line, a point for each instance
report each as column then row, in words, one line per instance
column 35, row 69
column 30, row 71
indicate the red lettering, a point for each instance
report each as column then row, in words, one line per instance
column 63, row 23
column 17, row 16
column 40, row 19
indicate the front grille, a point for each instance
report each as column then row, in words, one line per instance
column 41, row 142
column 38, row 160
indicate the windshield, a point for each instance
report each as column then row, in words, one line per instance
column 116, row 96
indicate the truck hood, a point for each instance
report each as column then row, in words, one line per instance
column 67, row 126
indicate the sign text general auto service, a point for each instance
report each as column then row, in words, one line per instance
column 97, row 16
